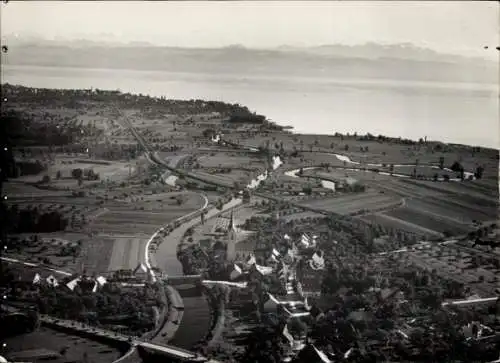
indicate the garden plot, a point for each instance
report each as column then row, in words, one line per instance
column 452, row 264
column 60, row 249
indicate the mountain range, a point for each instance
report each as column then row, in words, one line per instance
column 371, row 60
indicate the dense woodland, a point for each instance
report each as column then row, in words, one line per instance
column 32, row 220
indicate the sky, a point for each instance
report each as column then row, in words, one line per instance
column 459, row 27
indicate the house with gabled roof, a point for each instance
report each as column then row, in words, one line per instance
column 141, row 271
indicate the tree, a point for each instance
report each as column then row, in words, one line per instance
column 456, row 166
column 307, row 190
column 46, row 179
column 479, row 172
column 346, row 147
column 76, row 173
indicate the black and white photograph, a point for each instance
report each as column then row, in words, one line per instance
column 250, row 181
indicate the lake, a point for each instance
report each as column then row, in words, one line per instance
column 465, row 113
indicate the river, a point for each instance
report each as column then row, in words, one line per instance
column 451, row 112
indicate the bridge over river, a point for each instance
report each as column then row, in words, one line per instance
column 176, row 354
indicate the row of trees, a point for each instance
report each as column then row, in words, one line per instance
column 33, row 220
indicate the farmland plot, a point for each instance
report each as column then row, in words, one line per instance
column 354, row 202
column 391, row 222
column 15, row 189
column 225, row 160
column 486, row 196
column 432, row 206
column 126, row 231
column 432, row 222
column 126, row 252
column 223, row 179
column 130, row 222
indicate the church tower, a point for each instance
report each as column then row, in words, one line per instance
column 231, row 229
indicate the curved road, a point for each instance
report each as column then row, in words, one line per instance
column 165, row 256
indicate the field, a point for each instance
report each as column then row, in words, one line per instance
column 378, row 152
column 48, row 340
column 229, row 160
column 350, row 203
column 428, row 207
column 115, row 171
column 111, row 226
column 127, row 230
column 389, row 222
column 226, row 179
column 426, row 220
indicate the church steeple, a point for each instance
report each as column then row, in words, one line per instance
column 231, row 221
column 231, row 229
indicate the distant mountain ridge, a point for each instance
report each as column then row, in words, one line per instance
column 369, row 50
column 398, row 61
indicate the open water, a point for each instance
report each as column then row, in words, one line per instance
column 452, row 112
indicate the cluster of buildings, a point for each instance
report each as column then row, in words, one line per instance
column 301, row 259
column 125, row 278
